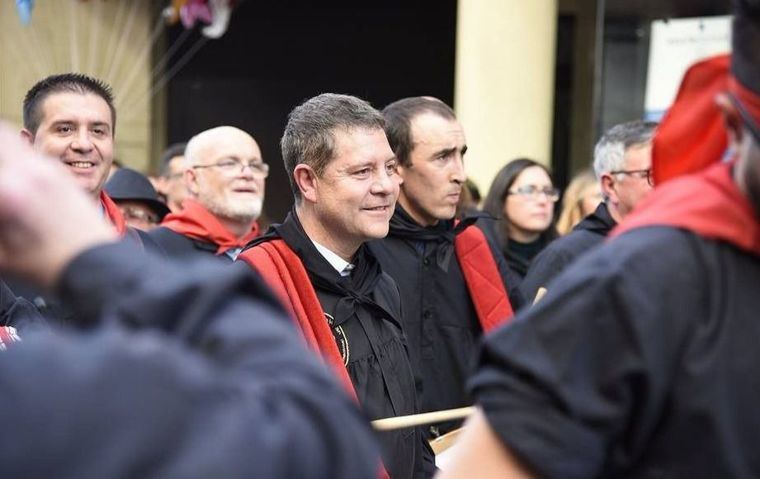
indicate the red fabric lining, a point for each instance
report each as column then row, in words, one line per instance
column 482, row 277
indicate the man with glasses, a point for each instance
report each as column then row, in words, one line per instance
column 453, row 279
column 224, row 176
column 623, row 165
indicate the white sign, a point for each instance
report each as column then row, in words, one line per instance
column 675, row 45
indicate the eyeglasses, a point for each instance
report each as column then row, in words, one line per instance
column 641, row 174
column 533, row 192
column 132, row 213
column 230, row 165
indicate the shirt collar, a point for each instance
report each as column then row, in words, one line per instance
column 341, row 266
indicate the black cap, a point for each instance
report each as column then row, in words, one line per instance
column 129, row 185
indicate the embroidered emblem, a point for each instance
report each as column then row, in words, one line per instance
column 340, row 338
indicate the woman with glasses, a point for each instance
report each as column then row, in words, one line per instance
column 522, row 198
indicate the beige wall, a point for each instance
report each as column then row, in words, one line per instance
column 504, row 89
column 109, row 40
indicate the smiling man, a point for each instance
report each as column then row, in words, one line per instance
column 71, row 117
column 453, row 279
column 224, row 177
column 343, row 176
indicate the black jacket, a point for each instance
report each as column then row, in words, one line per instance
column 49, row 304
column 587, row 234
column 364, row 310
column 439, row 317
column 178, row 246
column 187, row 370
column 17, row 312
column 640, row 362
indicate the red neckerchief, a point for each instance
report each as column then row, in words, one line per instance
column 708, row 203
column 197, row 222
column 483, row 279
column 113, row 213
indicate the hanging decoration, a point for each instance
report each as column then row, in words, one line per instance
column 24, row 8
column 215, row 14
column 221, row 11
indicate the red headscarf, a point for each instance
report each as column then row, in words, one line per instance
column 689, row 144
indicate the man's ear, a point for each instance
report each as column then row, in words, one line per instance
column 190, row 178
column 306, row 180
column 27, row 135
column 607, row 182
column 731, row 118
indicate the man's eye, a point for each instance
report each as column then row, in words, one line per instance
column 63, row 129
column 364, row 172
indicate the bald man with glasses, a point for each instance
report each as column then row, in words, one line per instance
column 224, row 175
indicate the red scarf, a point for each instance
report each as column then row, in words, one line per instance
column 708, row 203
column 197, row 222
column 113, row 213
column 284, row 272
column 482, row 277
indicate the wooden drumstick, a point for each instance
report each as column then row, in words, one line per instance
column 412, row 420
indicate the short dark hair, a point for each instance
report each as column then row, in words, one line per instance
column 69, row 83
column 172, row 151
column 309, row 135
column 497, row 194
column 398, row 122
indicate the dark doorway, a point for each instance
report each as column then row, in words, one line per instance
column 277, row 54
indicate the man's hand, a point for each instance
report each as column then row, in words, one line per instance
column 45, row 219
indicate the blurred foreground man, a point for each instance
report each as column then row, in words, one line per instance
column 641, row 361
column 164, row 381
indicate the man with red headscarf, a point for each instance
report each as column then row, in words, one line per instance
column 641, row 361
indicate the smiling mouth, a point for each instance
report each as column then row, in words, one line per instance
column 378, row 208
column 80, row 164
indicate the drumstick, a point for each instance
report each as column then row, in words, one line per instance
column 401, row 422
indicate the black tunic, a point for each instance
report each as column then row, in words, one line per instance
column 49, row 304
column 550, row 262
column 179, row 246
column 363, row 310
column 641, row 361
column 190, row 370
column 439, row 318
column 18, row 312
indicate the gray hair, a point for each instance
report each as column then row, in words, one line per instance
column 609, row 153
column 309, row 135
